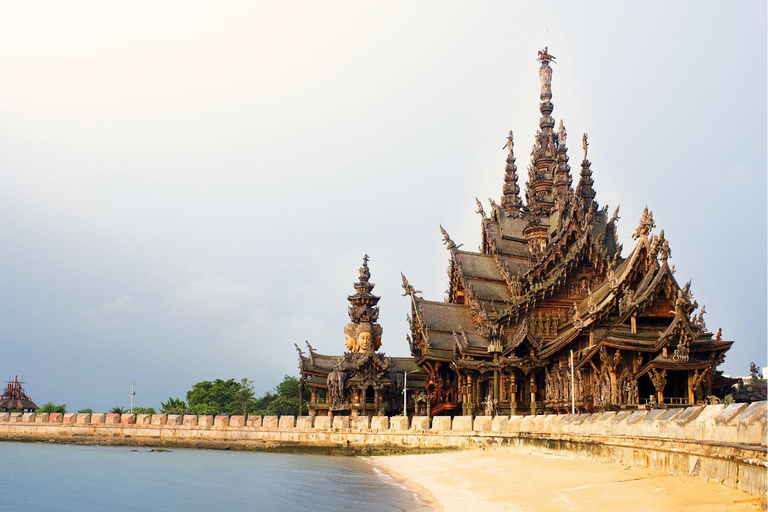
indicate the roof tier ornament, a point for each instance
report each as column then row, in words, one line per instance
column 510, row 200
column 562, row 176
column 585, row 190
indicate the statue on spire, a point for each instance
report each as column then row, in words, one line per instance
column 544, row 56
column 365, row 274
column 585, row 144
column 510, row 142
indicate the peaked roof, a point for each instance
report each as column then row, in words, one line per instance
column 529, row 252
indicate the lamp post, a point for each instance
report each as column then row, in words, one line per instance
column 133, row 393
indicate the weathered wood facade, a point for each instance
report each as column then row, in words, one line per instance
column 547, row 316
column 548, row 284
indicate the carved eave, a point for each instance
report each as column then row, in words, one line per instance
column 605, row 298
column 668, row 363
column 526, row 364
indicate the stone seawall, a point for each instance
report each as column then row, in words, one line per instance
column 726, row 444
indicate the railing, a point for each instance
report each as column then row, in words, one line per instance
column 668, row 400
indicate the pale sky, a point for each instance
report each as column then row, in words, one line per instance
column 188, row 188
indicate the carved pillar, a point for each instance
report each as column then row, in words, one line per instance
column 469, row 395
column 691, row 396
column 532, row 381
column 659, row 380
column 512, row 393
column 496, row 379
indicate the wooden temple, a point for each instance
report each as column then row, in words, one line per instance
column 548, row 315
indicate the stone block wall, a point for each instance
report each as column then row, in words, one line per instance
column 717, row 442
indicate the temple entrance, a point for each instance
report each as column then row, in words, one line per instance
column 645, row 390
column 370, row 395
column 676, row 389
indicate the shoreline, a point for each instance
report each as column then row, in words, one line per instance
column 230, row 444
column 521, row 479
column 422, row 493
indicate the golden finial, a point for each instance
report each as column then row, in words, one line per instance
column 585, row 144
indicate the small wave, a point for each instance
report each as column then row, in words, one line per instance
column 387, row 478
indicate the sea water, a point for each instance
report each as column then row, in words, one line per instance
column 43, row 476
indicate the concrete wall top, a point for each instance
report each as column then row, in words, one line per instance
column 735, row 423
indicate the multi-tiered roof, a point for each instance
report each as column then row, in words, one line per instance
column 550, row 276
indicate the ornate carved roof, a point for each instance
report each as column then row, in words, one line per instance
column 552, row 270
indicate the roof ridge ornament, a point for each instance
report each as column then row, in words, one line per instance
column 409, row 290
column 615, row 217
column 646, row 224
column 480, row 207
column 449, row 244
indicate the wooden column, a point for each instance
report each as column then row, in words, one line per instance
column 470, row 394
column 533, row 392
column 512, row 393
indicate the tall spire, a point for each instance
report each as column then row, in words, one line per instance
column 540, row 172
column 562, row 178
column 510, row 201
column 584, row 189
column 363, row 330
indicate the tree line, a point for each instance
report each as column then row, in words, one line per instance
column 219, row 397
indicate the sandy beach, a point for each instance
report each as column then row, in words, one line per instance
column 522, row 480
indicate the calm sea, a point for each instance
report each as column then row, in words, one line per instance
column 89, row 478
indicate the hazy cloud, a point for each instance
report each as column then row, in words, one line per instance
column 193, row 194
column 214, row 294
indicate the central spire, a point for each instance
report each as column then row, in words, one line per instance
column 539, row 195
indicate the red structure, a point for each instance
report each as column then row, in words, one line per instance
column 14, row 397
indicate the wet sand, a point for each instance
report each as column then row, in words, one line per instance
column 522, row 480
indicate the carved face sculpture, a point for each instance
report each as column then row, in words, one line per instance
column 349, row 341
column 363, row 341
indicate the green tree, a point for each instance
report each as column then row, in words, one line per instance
column 118, row 410
column 51, row 407
column 244, row 395
column 283, row 400
column 85, row 411
column 173, row 406
column 214, row 397
column 223, row 397
column 144, row 410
